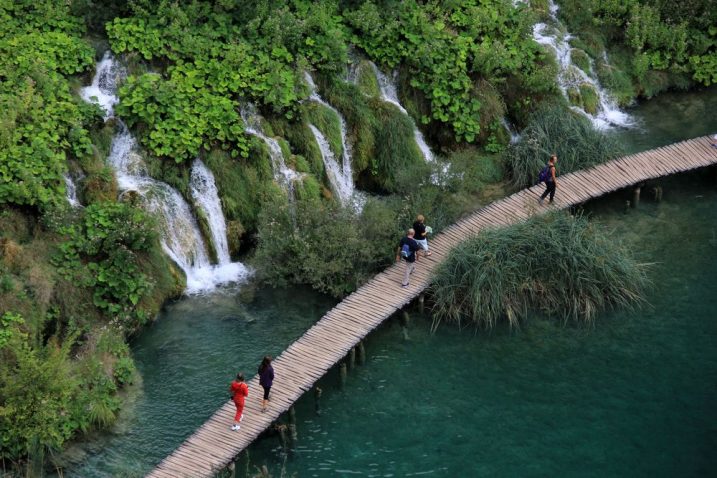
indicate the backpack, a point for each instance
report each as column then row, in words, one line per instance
column 545, row 174
column 405, row 251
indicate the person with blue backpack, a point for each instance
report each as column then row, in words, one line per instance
column 407, row 250
column 547, row 176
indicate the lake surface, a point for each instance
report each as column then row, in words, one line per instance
column 634, row 394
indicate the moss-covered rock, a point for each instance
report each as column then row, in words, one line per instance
column 589, row 97
column 366, row 80
column 580, row 59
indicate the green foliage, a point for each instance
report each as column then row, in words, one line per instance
column 41, row 125
column 330, row 248
column 556, row 264
column 217, row 55
column 672, row 39
column 553, row 129
column 444, row 47
column 101, row 253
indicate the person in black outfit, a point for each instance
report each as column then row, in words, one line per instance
column 266, row 379
column 411, row 257
column 551, row 183
column 421, row 236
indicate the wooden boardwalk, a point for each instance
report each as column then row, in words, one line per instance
column 213, row 445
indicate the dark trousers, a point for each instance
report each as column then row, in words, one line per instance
column 549, row 189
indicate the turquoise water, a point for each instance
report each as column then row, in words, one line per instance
column 635, row 394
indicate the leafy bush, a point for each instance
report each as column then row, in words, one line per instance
column 556, row 264
column 100, row 253
column 553, row 129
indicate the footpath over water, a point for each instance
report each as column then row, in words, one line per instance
column 213, row 445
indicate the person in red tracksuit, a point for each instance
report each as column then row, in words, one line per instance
column 239, row 391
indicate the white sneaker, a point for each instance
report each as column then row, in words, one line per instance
column 235, row 427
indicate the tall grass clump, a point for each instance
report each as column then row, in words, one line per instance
column 556, row 264
column 556, row 129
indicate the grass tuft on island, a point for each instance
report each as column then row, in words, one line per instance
column 560, row 265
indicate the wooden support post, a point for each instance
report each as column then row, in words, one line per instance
column 405, row 320
column 283, row 437
column 232, row 468
column 352, row 358
column 636, row 197
column 361, row 353
column 246, row 460
column 627, row 206
column 421, row 303
column 317, row 400
column 659, row 193
column 342, row 374
column 292, row 428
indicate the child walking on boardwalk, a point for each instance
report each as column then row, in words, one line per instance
column 266, row 378
column 239, row 391
column 421, row 236
column 407, row 249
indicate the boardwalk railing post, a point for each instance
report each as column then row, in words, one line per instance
column 421, row 302
column 636, row 197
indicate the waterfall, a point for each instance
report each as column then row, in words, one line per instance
column 514, row 135
column 341, row 177
column 71, row 190
column 342, row 187
column 181, row 238
column 206, row 197
column 283, row 174
column 103, row 89
column 389, row 94
column 571, row 77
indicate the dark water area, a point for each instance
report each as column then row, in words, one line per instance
column 635, row 394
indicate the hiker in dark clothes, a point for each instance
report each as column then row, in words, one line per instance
column 266, row 379
column 421, row 236
column 407, row 250
column 551, row 181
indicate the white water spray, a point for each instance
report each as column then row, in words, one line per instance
column 571, row 77
column 181, row 238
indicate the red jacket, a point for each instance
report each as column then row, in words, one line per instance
column 239, row 391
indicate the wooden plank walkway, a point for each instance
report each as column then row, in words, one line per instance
column 213, row 445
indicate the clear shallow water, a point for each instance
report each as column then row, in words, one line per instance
column 633, row 395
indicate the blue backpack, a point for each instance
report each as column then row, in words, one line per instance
column 545, row 174
column 405, row 251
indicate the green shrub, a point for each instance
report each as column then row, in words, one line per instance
column 556, row 264
column 554, row 130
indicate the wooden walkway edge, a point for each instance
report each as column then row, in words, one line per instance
column 213, row 445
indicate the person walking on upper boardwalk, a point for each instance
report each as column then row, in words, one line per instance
column 407, row 250
column 266, row 378
column 239, row 391
column 551, row 182
column 422, row 231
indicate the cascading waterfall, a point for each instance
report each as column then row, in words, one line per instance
column 571, row 78
column 514, row 135
column 181, row 238
column 389, row 94
column 71, row 190
column 283, row 174
column 341, row 177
